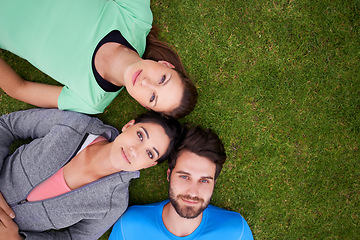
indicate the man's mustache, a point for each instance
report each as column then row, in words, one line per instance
column 188, row 197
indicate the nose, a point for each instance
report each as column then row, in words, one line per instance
column 146, row 82
column 192, row 189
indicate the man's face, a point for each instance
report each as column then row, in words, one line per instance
column 191, row 184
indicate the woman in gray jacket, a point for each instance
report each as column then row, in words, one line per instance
column 92, row 161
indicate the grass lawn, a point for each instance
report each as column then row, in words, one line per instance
column 279, row 82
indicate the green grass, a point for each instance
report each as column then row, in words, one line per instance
column 279, row 82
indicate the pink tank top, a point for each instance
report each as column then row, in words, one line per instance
column 55, row 185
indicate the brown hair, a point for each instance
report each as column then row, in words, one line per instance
column 202, row 142
column 157, row 50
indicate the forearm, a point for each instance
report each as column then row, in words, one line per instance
column 10, row 81
column 38, row 122
column 38, row 94
column 32, row 123
column 53, row 234
column 83, row 230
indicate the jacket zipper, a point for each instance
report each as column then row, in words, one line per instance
column 22, row 202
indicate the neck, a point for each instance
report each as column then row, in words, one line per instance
column 98, row 159
column 112, row 60
column 89, row 165
column 178, row 225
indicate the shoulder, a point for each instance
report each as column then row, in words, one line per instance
column 143, row 211
column 77, row 122
column 226, row 216
column 228, row 221
column 147, row 216
column 139, row 9
column 55, row 116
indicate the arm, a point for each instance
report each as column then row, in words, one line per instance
column 38, row 94
column 35, row 123
column 87, row 229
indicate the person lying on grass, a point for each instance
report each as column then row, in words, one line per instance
column 93, row 48
column 192, row 174
column 74, row 174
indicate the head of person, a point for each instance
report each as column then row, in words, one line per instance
column 166, row 86
column 157, row 86
column 193, row 170
column 144, row 142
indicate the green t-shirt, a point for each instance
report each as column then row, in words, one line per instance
column 59, row 38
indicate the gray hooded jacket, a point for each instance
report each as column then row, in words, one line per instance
column 84, row 213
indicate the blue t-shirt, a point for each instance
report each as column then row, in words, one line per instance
column 145, row 222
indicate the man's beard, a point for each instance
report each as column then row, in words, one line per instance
column 188, row 212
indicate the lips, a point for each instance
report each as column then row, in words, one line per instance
column 135, row 77
column 124, row 156
column 190, row 201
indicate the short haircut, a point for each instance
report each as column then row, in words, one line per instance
column 171, row 126
column 202, row 142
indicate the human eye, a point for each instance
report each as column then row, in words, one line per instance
column 150, row 154
column 152, row 97
column 140, row 136
column 204, row 181
column 163, row 79
column 184, row 177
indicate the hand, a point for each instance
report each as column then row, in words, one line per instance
column 5, row 207
column 9, row 230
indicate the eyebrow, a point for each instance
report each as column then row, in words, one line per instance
column 186, row 173
column 156, row 99
column 147, row 134
column 148, row 137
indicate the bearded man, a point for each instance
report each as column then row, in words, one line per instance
column 192, row 174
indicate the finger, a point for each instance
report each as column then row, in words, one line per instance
column 4, row 218
column 6, row 207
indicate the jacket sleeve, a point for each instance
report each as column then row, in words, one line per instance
column 87, row 229
column 35, row 123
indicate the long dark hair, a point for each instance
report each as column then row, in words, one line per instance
column 157, row 50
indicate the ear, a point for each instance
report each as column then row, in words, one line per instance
column 129, row 124
column 168, row 174
column 166, row 63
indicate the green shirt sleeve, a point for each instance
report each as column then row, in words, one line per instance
column 69, row 100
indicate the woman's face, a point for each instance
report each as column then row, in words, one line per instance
column 155, row 85
column 138, row 146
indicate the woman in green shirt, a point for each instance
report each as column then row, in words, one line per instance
column 94, row 48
